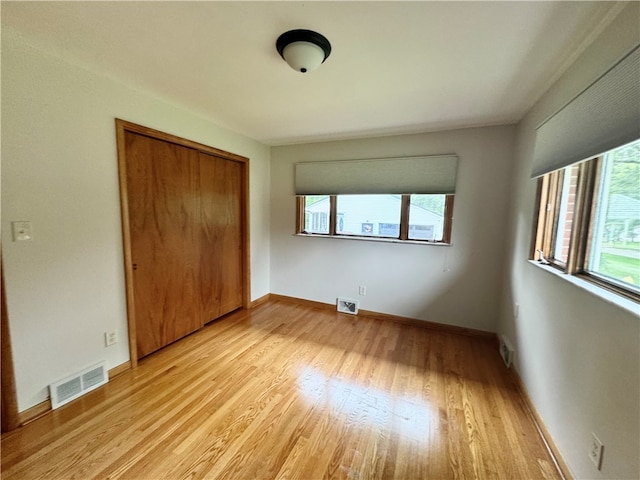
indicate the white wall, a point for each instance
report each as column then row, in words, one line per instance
column 578, row 355
column 457, row 285
column 59, row 171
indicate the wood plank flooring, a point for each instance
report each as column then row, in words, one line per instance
column 293, row 392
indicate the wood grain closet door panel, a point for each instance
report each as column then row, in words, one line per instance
column 162, row 181
column 221, row 257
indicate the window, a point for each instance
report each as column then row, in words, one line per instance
column 368, row 198
column 316, row 219
column 589, row 219
column 368, row 215
column 615, row 250
column 425, row 217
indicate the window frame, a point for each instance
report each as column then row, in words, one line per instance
column 405, row 205
column 545, row 226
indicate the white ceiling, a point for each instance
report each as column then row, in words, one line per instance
column 396, row 67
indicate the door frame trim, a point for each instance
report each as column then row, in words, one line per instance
column 9, row 415
column 123, row 126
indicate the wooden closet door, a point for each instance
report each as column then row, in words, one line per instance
column 221, row 260
column 162, row 185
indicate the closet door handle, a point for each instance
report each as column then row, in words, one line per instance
column 135, row 266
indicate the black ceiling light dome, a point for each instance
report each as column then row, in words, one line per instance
column 303, row 50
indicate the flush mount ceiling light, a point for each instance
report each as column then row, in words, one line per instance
column 303, row 50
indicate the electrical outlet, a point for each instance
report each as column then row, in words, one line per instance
column 516, row 310
column 362, row 290
column 22, row 231
column 595, row 451
column 110, row 338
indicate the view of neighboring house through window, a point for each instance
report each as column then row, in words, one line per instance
column 589, row 219
column 368, row 215
column 404, row 217
column 426, row 217
column 316, row 219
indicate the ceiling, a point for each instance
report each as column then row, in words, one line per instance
column 396, row 67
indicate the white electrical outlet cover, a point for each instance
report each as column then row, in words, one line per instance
column 110, row 338
column 595, row 453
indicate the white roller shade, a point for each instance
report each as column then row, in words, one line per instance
column 604, row 116
column 432, row 174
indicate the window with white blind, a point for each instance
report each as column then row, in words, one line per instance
column 402, row 199
column 587, row 161
column 589, row 220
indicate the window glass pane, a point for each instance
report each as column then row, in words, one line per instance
column 426, row 217
column 316, row 213
column 565, row 217
column 615, row 246
column 368, row 215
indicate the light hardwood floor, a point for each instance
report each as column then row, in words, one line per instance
column 291, row 391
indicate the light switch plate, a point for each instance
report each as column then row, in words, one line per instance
column 22, row 231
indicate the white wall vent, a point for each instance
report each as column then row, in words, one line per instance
column 74, row 386
column 506, row 351
column 346, row 305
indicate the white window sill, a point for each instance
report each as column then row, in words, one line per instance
column 606, row 295
column 374, row 239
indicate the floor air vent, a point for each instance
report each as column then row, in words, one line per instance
column 70, row 388
column 347, row 306
column 506, row 351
